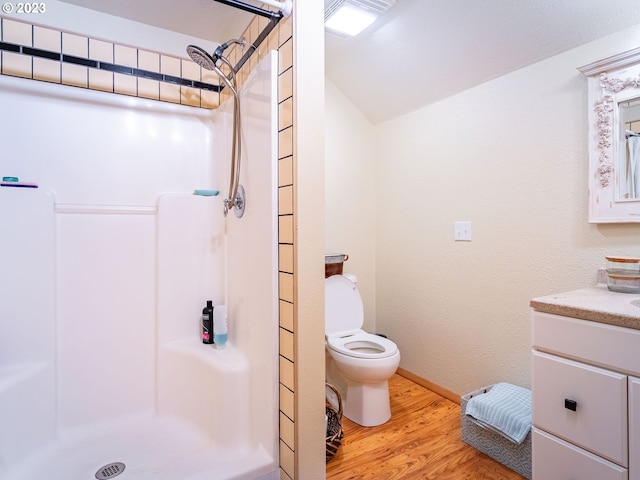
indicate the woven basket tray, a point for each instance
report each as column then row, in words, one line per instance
column 334, row 425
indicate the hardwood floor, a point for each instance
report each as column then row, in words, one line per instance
column 421, row 441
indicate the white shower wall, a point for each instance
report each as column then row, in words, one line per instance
column 105, row 159
column 102, row 313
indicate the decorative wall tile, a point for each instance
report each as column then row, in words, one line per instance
column 286, row 286
column 285, row 171
column 286, row 315
column 273, row 41
column 285, row 143
column 190, row 96
column 101, row 80
column 100, row 50
column 125, row 84
column 190, row 70
column 129, row 57
column 281, row 39
column 285, row 228
column 285, row 56
column 285, row 258
column 209, row 76
column 234, row 54
column 16, row 65
column 149, row 88
column 209, row 99
column 287, row 402
column 286, row 373
column 47, row 39
column 285, row 85
column 287, row 458
column 285, row 114
column 287, row 430
column 75, row 75
column 225, row 94
column 17, row 32
column 286, row 344
column 75, row 45
column 170, row 65
column 263, row 49
column 170, row 93
column 148, row 61
column 285, row 200
column 285, row 30
column 46, row 70
column 254, row 32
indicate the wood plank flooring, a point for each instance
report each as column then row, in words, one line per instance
column 421, row 441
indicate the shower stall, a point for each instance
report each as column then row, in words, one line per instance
column 106, row 267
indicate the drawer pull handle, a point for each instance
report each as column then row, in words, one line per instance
column 570, row 404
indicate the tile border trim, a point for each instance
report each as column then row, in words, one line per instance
column 110, row 67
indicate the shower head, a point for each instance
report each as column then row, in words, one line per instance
column 202, row 58
column 208, row 62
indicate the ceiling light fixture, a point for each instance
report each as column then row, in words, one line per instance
column 350, row 17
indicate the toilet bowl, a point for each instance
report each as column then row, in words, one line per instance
column 364, row 360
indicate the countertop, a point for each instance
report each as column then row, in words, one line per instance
column 597, row 304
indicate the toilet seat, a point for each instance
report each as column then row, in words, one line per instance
column 344, row 316
column 362, row 345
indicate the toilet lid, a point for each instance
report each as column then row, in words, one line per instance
column 343, row 311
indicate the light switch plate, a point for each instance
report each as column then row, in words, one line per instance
column 462, row 231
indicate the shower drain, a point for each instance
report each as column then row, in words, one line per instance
column 110, row 471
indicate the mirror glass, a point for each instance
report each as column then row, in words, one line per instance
column 629, row 151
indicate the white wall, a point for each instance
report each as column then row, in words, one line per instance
column 511, row 157
column 308, row 157
column 350, row 171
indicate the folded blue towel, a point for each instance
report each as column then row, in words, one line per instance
column 505, row 409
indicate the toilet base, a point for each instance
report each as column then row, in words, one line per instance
column 367, row 404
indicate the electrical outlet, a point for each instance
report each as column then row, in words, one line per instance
column 462, row 231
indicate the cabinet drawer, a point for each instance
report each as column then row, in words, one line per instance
column 607, row 346
column 555, row 459
column 599, row 422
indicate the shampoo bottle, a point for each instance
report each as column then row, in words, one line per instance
column 207, row 323
column 220, row 325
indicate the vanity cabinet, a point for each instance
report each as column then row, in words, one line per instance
column 586, row 399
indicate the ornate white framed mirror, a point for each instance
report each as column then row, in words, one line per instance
column 614, row 138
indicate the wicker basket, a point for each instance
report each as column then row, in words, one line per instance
column 334, row 425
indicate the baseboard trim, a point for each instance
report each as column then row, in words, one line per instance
column 430, row 385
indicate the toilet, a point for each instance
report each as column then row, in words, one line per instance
column 365, row 361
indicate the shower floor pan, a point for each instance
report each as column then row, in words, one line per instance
column 158, row 449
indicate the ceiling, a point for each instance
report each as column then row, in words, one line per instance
column 420, row 51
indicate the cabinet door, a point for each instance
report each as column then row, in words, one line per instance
column 634, row 428
column 555, row 459
column 597, row 421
